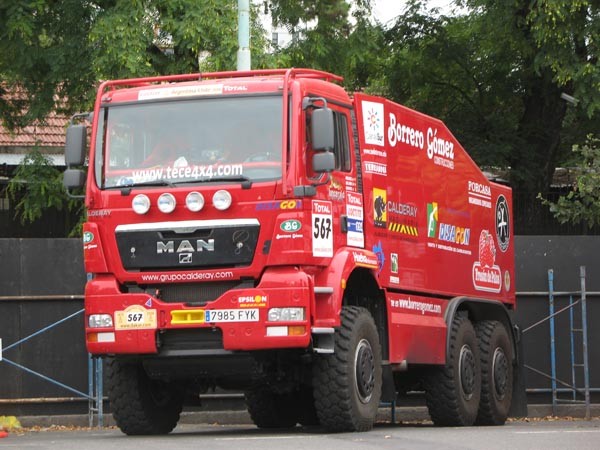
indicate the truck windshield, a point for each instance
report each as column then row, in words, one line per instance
column 188, row 141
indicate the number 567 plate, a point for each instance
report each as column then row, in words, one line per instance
column 231, row 315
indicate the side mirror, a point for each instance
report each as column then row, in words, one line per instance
column 73, row 178
column 75, row 145
column 322, row 135
column 323, row 162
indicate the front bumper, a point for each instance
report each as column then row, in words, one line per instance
column 240, row 316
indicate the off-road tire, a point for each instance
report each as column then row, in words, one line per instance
column 347, row 384
column 269, row 409
column 452, row 392
column 496, row 353
column 141, row 406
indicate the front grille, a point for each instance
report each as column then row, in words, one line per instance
column 192, row 339
column 193, row 294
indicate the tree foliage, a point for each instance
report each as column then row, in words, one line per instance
column 37, row 187
column 582, row 203
column 496, row 73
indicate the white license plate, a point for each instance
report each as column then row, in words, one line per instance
column 231, row 315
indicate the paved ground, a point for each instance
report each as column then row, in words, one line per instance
column 520, row 435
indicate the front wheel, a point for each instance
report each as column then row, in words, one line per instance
column 140, row 405
column 496, row 372
column 270, row 409
column 347, row 384
column 452, row 392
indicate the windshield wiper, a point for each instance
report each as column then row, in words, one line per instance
column 126, row 188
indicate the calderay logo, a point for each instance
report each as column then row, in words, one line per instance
column 379, row 207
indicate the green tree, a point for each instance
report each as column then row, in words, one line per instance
column 53, row 53
column 37, row 187
column 496, row 73
column 582, row 203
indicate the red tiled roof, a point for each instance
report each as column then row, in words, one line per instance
column 49, row 132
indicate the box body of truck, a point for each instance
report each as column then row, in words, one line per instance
column 265, row 231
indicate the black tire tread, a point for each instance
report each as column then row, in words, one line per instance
column 268, row 409
column 131, row 405
column 441, row 389
column 488, row 413
column 331, row 380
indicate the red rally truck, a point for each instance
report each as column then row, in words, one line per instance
column 322, row 252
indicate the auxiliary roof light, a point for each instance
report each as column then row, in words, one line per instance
column 140, row 204
column 194, row 201
column 166, row 203
column 222, row 200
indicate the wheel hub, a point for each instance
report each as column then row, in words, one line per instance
column 365, row 371
column 500, row 372
column 466, row 371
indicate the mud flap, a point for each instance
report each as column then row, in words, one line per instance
column 518, row 406
column 388, row 390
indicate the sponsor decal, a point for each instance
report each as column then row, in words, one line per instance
column 379, row 206
column 291, row 226
column 181, row 170
column 350, row 183
column 289, row 236
column 322, row 235
column 480, row 194
column 135, row 317
column 432, row 219
column 454, row 234
column 394, row 262
column 486, row 275
column 363, row 260
column 253, row 301
column 394, row 279
column 419, row 306
column 336, row 191
column 378, row 250
column 438, row 149
column 403, row 134
column 402, row 228
column 373, row 122
column 401, row 209
column 375, row 152
column 284, row 204
column 98, row 212
column 502, row 223
column 88, row 238
column 354, row 213
column 181, row 91
column 375, row 168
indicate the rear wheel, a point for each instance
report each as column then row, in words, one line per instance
column 452, row 392
column 496, row 372
column 269, row 409
column 347, row 384
column 141, row 406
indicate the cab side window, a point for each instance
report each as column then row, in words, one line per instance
column 342, row 143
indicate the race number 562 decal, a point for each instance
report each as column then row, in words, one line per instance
column 322, row 228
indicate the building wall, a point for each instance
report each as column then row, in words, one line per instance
column 42, row 281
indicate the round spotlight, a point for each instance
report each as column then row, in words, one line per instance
column 222, row 200
column 166, row 203
column 194, row 201
column 140, row 204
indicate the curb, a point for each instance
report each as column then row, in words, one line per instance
column 241, row 417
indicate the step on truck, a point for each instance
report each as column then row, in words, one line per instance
column 267, row 232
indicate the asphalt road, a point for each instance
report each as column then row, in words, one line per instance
column 546, row 435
